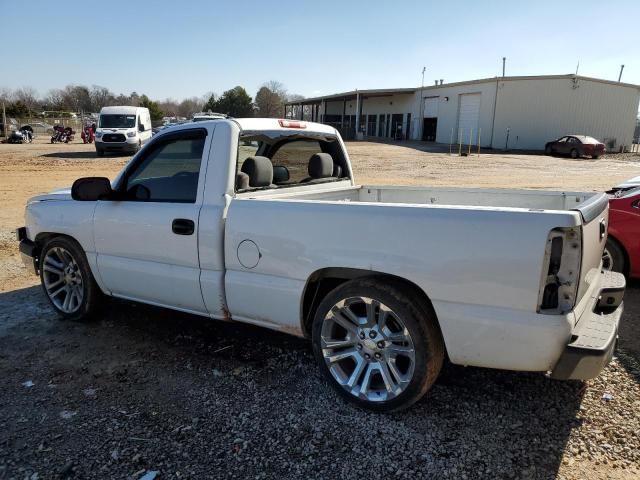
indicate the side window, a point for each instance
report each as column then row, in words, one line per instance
column 562, row 140
column 295, row 156
column 168, row 171
column 573, row 140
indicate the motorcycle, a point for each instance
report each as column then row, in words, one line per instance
column 62, row 134
column 24, row 135
column 88, row 133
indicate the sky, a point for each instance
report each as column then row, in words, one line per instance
column 170, row 49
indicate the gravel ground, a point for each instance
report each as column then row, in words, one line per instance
column 146, row 389
column 143, row 390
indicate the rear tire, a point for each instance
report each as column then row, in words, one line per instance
column 574, row 153
column 376, row 345
column 613, row 257
column 67, row 280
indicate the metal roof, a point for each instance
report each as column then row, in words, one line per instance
column 378, row 92
column 350, row 95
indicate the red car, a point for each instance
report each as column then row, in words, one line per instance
column 576, row 146
column 622, row 252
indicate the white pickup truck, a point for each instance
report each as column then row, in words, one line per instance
column 260, row 221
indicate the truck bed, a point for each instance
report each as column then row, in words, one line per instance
column 444, row 196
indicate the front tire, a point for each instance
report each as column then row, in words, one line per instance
column 99, row 152
column 548, row 150
column 574, row 153
column 377, row 346
column 613, row 257
column 67, row 280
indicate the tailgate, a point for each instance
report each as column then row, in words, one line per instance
column 595, row 218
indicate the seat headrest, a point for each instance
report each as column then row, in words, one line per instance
column 242, row 181
column 280, row 174
column 320, row 165
column 337, row 171
column 260, row 171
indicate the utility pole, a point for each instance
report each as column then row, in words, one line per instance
column 620, row 76
column 421, row 119
column 504, row 61
column 4, row 121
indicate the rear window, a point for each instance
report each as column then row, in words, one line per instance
column 290, row 154
column 295, row 156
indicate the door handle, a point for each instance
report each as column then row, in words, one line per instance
column 183, row 226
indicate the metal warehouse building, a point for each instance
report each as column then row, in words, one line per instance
column 503, row 112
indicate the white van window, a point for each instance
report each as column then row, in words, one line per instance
column 117, row 121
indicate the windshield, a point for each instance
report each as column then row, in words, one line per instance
column 117, row 121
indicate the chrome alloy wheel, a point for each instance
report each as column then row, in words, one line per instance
column 367, row 348
column 62, row 280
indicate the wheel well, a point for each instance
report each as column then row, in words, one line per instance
column 42, row 238
column 627, row 265
column 323, row 281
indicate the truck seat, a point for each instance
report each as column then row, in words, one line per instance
column 320, row 168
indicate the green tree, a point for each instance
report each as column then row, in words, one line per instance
column 211, row 104
column 17, row 109
column 235, row 103
column 154, row 109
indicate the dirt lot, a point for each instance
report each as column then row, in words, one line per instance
column 141, row 389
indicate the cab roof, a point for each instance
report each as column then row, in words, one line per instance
column 253, row 124
column 125, row 110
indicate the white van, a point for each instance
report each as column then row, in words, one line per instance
column 122, row 129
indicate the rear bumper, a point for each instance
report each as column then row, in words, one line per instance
column 593, row 338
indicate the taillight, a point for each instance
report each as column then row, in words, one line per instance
column 560, row 271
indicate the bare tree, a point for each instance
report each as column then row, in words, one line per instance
column 270, row 99
column 54, row 100
column 189, row 106
column 169, row 106
column 5, row 94
column 100, row 97
column 28, row 97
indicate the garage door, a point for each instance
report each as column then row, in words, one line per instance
column 431, row 107
column 468, row 116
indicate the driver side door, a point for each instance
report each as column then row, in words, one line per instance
column 561, row 145
column 146, row 241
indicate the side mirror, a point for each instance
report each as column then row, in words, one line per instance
column 141, row 128
column 280, row 174
column 90, row 189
